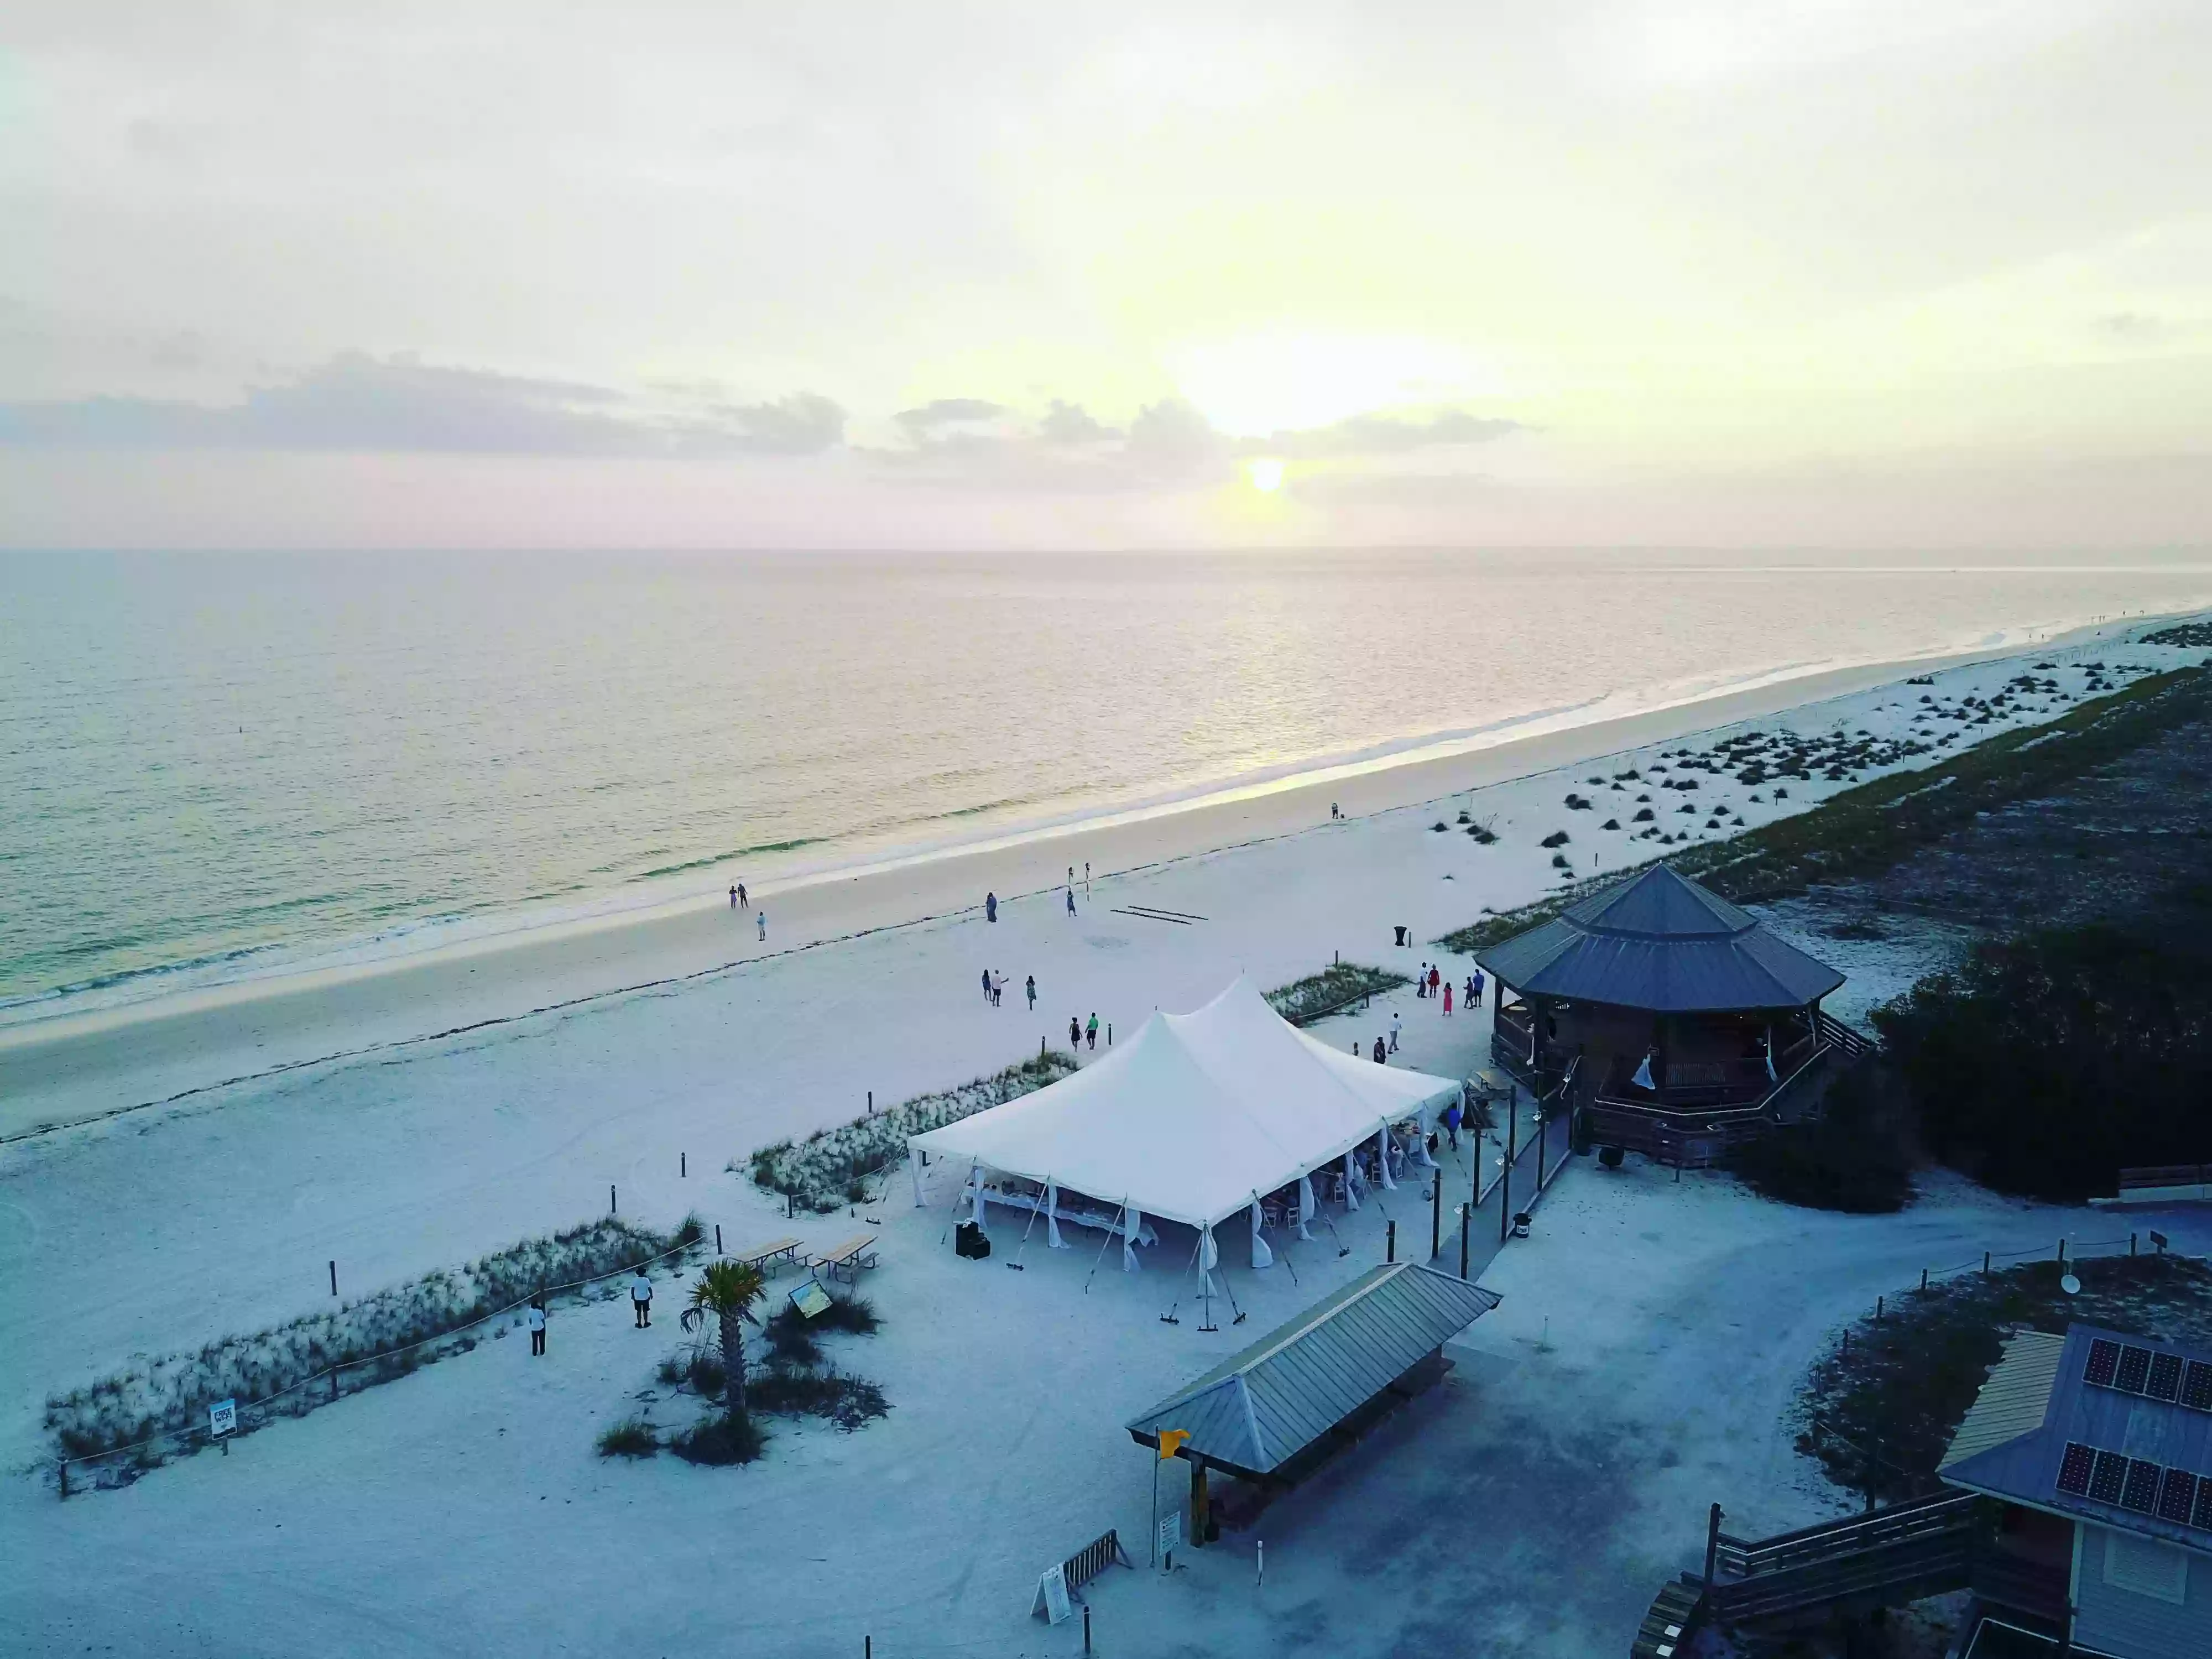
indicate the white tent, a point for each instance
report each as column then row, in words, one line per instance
column 1195, row 1117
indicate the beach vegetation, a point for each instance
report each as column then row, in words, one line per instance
column 1856, row 1155
column 1336, row 987
column 723, row 1297
column 1556, row 838
column 631, row 1438
column 2193, row 635
column 721, row 1441
column 817, row 1173
column 288, row 1370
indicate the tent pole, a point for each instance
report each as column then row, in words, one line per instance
column 1118, row 1221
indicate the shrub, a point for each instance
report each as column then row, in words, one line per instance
column 631, row 1438
column 1556, row 838
column 706, row 1374
column 1483, row 835
column 847, row 1401
column 1559, row 861
column 1643, row 815
column 1610, row 823
column 1578, row 803
column 2048, row 1062
column 1855, row 1157
column 719, row 1441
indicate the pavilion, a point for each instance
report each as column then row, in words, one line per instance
column 1677, row 1023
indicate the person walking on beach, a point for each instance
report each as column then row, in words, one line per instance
column 641, row 1299
column 1395, row 1024
column 745, row 900
column 1451, row 1124
column 990, row 907
column 1091, row 1032
column 733, row 898
column 535, row 1319
column 1071, row 898
column 1474, row 989
column 1030, row 985
column 762, row 920
column 986, row 985
column 1379, row 1059
column 998, row 989
column 1447, row 998
column 1074, row 1035
column 1421, row 981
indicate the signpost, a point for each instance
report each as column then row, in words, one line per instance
column 810, row 1299
column 223, row 1422
column 1170, row 1534
column 1051, row 1598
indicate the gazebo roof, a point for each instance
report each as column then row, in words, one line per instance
column 1658, row 941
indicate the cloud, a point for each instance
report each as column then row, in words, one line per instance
column 947, row 411
column 1386, row 435
column 398, row 405
column 1171, row 439
column 1071, row 424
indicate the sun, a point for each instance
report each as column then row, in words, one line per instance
column 1265, row 474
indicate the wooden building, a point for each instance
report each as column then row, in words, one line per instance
column 1678, row 1023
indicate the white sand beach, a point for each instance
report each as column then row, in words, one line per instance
column 462, row 1509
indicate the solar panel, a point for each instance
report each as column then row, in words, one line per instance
column 2109, row 1479
column 2176, row 1496
column 2135, row 1367
column 2073, row 1470
column 2196, row 1387
column 2103, row 1359
column 2203, row 1518
column 2141, row 1493
column 2165, row 1380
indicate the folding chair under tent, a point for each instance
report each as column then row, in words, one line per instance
column 1196, row 1117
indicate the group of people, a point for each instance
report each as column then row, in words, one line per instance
column 740, row 900
column 1079, row 1034
column 1430, row 982
column 991, row 899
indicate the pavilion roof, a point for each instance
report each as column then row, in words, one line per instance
column 1659, row 941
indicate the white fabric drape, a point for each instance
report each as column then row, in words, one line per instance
column 1134, row 1220
column 1350, row 1180
column 976, row 1178
column 1421, row 1155
column 1383, row 1149
column 1209, row 1256
column 913, row 1168
column 1642, row 1080
column 1305, row 1206
column 1262, row 1255
column 1051, row 1215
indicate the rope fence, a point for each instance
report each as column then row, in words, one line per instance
column 202, row 1431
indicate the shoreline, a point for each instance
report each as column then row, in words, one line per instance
column 138, row 1055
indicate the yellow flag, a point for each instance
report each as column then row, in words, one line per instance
column 1171, row 1439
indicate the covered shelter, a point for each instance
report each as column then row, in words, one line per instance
column 1270, row 1414
column 1681, row 1022
column 1197, row 1117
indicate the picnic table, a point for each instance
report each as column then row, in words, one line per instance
column 849, row 1257
column 770, row 1257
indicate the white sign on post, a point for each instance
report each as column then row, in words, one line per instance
column 223, row 1418
column 1051, row 1598
column 1171, row 1532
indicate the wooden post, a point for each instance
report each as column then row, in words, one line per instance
column 684, row 1164
column 2131, row 1243
column 1879, row 1303
column 334, row 1278
column 1390, row 1242
column 1923, row 1279
column 1199, row 1507
column 1712, row 1545
column 2061, row 1252
column 1435, row 1213
column 1505, row 1179
column 1466, row 1219
column 717, row 1239
column 610, row 1199
column 1086, row 1627
column 65, row 1469
column 1985, row 1264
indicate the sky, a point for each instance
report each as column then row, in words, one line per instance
column 1839, row 273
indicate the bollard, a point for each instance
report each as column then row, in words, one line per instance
column 1436, row 1213
column 2061, row 1252
column 1985, row 1264
column 1390, row 1242
column 1463, row 1217
column 717, row 1239
column 334, row 1278
column 1878, row 1303
column 65, row 1469
column 2131, row 1243
column 610, row 1199
column 1261, row 1551
column 1086, row 1626
column 684, row 1164
column 1923, row 1279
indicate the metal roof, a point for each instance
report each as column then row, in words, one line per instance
column 1659, row 941
column 2025, row 1469
column 1255, row 1412
column 2015, row 1399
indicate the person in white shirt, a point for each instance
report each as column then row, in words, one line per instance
column 641, row 1299
column 1395, row 1022
column 535, row 1319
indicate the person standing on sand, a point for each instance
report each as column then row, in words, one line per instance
column 986, row 985
column 1395, row 1022
column 1447, row 998
column 535, row 1319
column 1435, row 977
column 1091, row 1031
column 1379, row 1059
column 1475, row 990
column 998, row 989
column 1086, row 878
column 762, row 920
column 1074, row 1035
column 733, row 898
column 990, row 907
column 1421, row 981
column 1451, row 1124
column 641, row 1299
column 1030, row 985
column 745, row 900
column 1071, row 898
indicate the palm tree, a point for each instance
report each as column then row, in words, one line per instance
column 727, row 1290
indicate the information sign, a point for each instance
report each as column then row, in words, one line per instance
column 810, row 1299
column 223, row 1418
column 1051, row 1598
column 1171, row 1532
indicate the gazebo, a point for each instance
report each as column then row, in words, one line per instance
column 1679, row 1025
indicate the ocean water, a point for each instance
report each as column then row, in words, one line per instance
column 220, row 765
